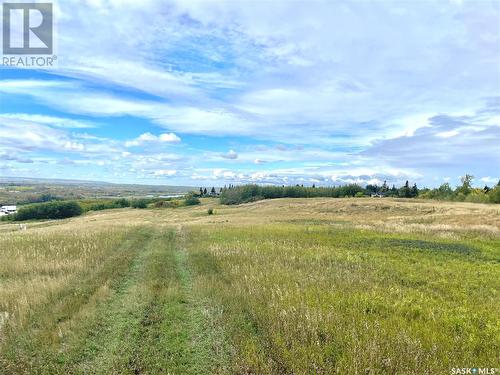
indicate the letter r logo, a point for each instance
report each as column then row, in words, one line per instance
column 27, row 29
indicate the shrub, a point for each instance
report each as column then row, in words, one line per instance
column 210, row 211
column 139, row 203
column 191, row 200
column 51, row 210
column 494, row 195
column 477, row 196
column 104, row 204
column 168, row 203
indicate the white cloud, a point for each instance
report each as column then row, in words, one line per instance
column 448, row 134
column 52, row 121
column 169, row 138
column 336, row 78
column 151, row 138
column 165, row 172
column 490, row 180
column 231, row 154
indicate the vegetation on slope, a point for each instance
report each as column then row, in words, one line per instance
column 464, row 192
column 123, row 306
column 191, row 293
column 49, row 210
column 249, row 193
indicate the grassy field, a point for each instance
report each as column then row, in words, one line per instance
column 288, row 286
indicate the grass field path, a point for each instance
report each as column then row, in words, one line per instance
column 153, row 324
column 148, row 322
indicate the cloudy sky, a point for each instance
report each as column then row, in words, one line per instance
column 210, row 93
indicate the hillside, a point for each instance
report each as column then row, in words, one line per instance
column 278, row 286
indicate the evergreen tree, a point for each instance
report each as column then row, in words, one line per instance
column 201, row 191
column 370, row 188
column 405, row 191
column 213, row 190
column 414, row 191
column 394, row 190
column 205, row 191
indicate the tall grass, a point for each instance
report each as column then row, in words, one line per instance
column 46, row 277
column 304, row 300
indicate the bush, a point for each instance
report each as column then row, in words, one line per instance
column 104, row 204
column 477, row 196
column 139, row 203
column 494, row 195
column 191, row 200
column 210, row 211
column 168, row 203
column 51, row 210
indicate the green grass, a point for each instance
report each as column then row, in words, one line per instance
column 316, row 300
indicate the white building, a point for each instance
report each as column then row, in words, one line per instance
column 7, row 210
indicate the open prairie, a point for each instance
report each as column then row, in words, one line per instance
column 361, row 286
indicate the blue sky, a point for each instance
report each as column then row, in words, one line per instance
column 210, row 93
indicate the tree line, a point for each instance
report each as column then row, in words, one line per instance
column 64, row 209
column 463, row 193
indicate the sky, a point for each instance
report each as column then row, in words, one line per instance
column 207, row 93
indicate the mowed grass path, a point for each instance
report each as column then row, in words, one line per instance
column 104, row 296
column 136, row 314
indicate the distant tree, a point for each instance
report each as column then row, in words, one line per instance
column 48, row 210
column 486, row 189
column 139, row 203
column 372, row 188
column 414, row 191
column 205, row 191
column 405, row 191
column 191, row 200
column 213, row 190
column 466, row 186
column 314, row 186
column 384, row 188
